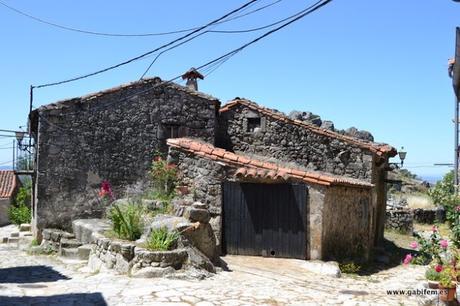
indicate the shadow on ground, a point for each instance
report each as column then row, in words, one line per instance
column 30, row 274
column 80, row 299
column 395, row 254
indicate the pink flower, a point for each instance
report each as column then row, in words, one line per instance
column 438, row 268
column 434, row 228
column 157, row 158
column 444, row 243
column 413, row 245
column 408, row 259
column 457, row 208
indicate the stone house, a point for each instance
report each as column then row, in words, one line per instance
column 249, row 128
column 109, row 135
column 9, row 185
column 274, row 186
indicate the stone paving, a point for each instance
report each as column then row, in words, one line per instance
column 46, row 280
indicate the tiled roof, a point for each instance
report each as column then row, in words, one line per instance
column 379, row 149
column 251, row 167
column 7, row 183
column 155, row 80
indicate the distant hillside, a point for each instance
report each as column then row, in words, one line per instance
column 5, row 167
column 409, row 182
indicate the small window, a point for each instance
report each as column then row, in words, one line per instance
column 253, row 124
column 174, row 131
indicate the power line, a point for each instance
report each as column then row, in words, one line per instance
column 228, row 32
column 220, row 60
column 150, row 52
column 319, row 4
column 72, row 29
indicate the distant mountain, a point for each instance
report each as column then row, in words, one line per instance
column 5, row 167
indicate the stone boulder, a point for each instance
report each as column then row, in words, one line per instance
column 85, row 229
column 306, row 116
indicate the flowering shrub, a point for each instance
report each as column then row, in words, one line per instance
column 429, row 249
column 164, row 176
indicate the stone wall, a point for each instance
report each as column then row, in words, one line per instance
column 400, row 220
column 327, row 207
column 112, row 135
column 292, row 143
column 4, row 205
column 204, row 179
column 347, row 227
column 429, row 216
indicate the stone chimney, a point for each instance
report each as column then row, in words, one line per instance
column 191, row 76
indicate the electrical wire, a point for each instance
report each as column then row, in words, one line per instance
column 151, row 51
column 218, row 61
column 72, row 29
column 236, row 31
column 319, row 4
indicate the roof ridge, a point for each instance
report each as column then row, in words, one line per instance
column 212, row 152
column 122, row 86
column 378, row 148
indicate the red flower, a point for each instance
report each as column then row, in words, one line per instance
column 438, row 268
column 157, row 158
column 106, row 190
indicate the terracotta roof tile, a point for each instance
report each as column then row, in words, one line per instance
column 251, row 167
column 8, row 183
column 379, row 149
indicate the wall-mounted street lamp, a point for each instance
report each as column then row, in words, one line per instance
column 402, row 154
column 19, row 137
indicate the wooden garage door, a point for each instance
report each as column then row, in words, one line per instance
column 265, row 219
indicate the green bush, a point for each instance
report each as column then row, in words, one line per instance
column 349, row 268
column 161, row 239
column 443, row 192
column 126, row 221
column 432, row 275
column 19, row 214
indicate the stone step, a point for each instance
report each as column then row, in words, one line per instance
column 13, row 240
column 4, row 239
column 27, row 234
column 70, row 243
column 14, row 235
column 84, row 251
column 71, row 253
column 24, row 227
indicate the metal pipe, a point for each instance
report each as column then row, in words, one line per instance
column 456, row 146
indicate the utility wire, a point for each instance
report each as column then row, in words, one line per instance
column 306, row 12
column 67, row 28
column 232, row 31
column 218, row 61
column 152, row 51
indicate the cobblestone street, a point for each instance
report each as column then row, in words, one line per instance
column 46, row 280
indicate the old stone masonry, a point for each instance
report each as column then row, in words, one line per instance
column 47, row 280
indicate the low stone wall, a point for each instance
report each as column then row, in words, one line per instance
column 127, row 258
column 52, row 238
column 399, row 220
column 429, row 216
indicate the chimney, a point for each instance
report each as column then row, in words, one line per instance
column 191, row 76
